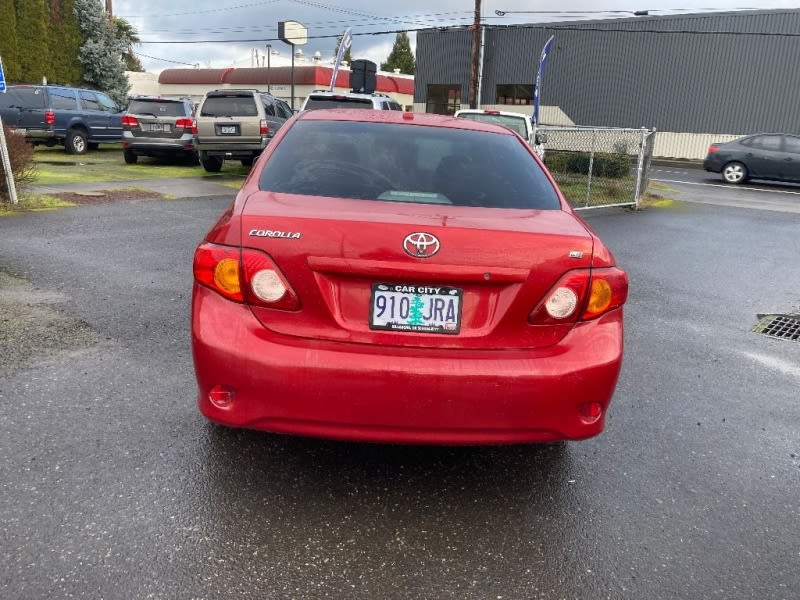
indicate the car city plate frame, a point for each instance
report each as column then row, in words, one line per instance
column 414, row 308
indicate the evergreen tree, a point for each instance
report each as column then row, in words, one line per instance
column 126, row 32
column 65, row 41
column 8, row 40
column 401, row 56
column 101, row 53
column 32, row 33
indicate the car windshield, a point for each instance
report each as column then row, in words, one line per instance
column 159, row 108
column 514, row 123
column 337, row 102
column 229, row 106
column 407, row 163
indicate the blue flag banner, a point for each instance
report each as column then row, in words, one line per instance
column 548, row 46
column 347, row 41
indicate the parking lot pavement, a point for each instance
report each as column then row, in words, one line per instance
column 114, row 487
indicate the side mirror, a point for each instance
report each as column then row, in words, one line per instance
column 541, row 138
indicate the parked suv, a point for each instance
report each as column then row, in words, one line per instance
column 328, row 99
column 236, row 124
column 159, row 127
column 518, row 122
column 79, row 119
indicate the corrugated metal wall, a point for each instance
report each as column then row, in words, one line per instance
column 610, row 73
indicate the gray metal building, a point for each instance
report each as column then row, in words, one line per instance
column 695, row 78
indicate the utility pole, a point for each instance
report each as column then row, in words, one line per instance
column 475, row 61
column 109, row 11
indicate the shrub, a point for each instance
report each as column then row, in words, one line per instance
column 614, row 166
column 20, row 154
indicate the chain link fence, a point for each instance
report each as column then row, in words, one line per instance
column 600, row 166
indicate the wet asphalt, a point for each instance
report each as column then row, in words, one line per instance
column 113, row 486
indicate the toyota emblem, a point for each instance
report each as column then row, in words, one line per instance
column 421, row 245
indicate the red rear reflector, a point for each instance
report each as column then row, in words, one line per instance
column 129, row 121
column 50, row 117
column 590, row 411
column 492, row 112
column 184, row 123
column 221, row 396
column 712, row 148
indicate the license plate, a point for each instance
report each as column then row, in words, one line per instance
column 160, row 127
column 415, row 308
column 228, row 130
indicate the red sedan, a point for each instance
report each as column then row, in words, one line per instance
column 405, row 278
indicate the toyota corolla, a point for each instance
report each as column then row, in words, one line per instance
column 405, row 278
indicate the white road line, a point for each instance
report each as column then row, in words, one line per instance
column 729, row 187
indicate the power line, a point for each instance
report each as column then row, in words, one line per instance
column 543, row 27
column 167, row 60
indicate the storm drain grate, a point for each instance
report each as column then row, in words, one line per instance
column 784, row 327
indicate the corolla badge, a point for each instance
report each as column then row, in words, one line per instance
column 421, row 245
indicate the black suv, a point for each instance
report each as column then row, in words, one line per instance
column 158, row 127
column 79, row 119
column 236, row 124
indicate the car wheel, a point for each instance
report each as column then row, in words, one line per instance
column 212, row 164
column 76, row 143
column 734, row 172
column 130, row 156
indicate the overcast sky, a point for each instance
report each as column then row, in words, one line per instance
column 205, row 28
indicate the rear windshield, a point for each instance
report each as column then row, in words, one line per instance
column 22, row 97
column 341, row 102
column 514, row 123
column 158, row 108
column 229, row 106
column 407, row 163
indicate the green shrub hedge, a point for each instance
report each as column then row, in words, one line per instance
column 613, row 166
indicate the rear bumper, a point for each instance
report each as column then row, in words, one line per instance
column 231, row 150
column 713, row 165
column 158, row 145
column 401, row 395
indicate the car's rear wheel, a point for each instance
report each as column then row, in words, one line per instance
column 75, row 142
column 734, row 172
column 130, row 156
column 212, row 164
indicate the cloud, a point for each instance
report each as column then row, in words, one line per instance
column 209, row 33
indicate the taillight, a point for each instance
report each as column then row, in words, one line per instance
column 184, row 123
column 194, row 127
column 266, row 284
column 129, row 121
column 584, row 294
column 264, row 128
column 712, row 148
column 50, row 117
column 251, row 277
column 217, row 267
column 608, row 290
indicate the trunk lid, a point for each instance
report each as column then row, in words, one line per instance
column 334, row 253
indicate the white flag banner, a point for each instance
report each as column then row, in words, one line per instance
column 347, row 41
